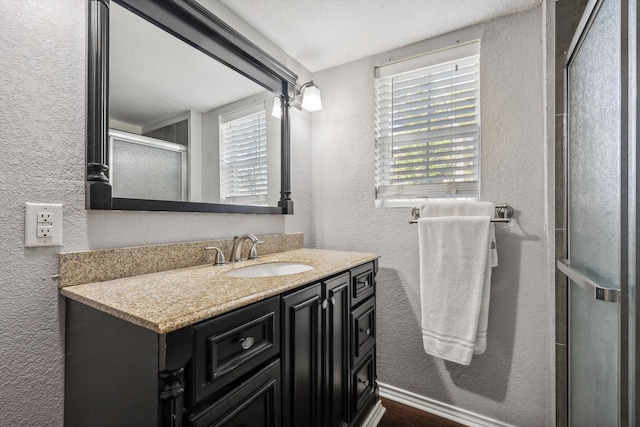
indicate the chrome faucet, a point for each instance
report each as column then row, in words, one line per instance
column 236, row 250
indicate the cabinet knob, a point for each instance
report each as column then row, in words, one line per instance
column 325, row 303
column 333, row 301
column 364, row 382
column 366, row 331
column 247, row 342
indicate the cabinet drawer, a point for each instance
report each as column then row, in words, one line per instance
column 255, row 403
column 363, row 330
column 232, row 344
column 363, row 383
column 362, row 285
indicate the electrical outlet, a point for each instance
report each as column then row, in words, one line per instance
column 44, row 231
column 45, row 218
column 43, row 224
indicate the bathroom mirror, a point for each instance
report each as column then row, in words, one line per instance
column 180, row 113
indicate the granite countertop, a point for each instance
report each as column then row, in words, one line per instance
column 169, row 300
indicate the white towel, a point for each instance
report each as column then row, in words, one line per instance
column 464, row 208
column 455, row 278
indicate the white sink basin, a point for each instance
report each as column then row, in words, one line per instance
column 270, row 269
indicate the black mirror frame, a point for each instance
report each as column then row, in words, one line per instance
column 198, row 27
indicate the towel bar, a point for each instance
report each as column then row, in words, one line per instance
column 503, row 210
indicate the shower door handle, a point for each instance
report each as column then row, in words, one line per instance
column 599, row 292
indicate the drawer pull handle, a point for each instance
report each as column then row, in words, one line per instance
column 247, row 343
column 366, row 331
column 365, row 382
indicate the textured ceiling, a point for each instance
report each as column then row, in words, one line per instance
column 324, row 33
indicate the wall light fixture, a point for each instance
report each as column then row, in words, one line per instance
column 310, row 98
column 307, row 97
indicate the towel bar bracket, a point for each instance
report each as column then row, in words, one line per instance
column 504, row 211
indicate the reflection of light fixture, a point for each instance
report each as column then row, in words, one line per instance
column 277, row 108
column 307, row 97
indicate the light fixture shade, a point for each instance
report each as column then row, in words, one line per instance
column 277, row 108
column 311, row 100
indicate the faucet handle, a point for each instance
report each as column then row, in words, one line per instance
column 219, row 255
column 253, row 252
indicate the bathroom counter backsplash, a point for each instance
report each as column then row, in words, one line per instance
column 77, row 268
column 168, row 300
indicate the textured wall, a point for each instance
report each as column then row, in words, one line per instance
column 41, row 156
column 512, row 381
column 42, row 118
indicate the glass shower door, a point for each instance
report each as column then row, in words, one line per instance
column 596, row 227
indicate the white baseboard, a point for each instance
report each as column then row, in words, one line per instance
column 375, row 415
column 435, row 407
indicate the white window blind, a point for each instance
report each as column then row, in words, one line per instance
column 427, row 133
column 243, row 157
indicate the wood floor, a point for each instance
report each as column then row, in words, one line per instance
column 399, row 415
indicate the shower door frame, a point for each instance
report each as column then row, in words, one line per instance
column 628, row 181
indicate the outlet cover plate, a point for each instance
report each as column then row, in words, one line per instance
column 33, row 214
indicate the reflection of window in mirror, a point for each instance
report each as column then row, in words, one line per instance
column 243, row 156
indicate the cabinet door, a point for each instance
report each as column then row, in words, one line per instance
column 301, row 356
column 255, row 403
column 337, row 351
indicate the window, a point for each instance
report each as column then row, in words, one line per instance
column 427, row 134
column 243, row 156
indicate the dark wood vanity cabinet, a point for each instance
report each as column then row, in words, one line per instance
column 223, row 371
column 328, row 352
column 304, row 358
column 316, row 354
